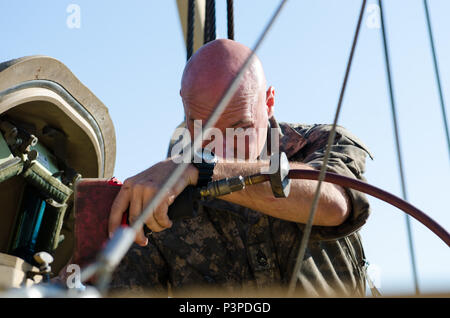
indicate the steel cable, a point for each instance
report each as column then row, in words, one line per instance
column 308, row 226
column 230, row 20
column 397, row 144
column 436, row 72
column 190, row 29
column 210, row 21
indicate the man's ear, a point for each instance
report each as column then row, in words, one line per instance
column 270, row 100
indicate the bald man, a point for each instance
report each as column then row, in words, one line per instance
column 249, row 238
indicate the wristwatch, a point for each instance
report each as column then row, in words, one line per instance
column 204, row 160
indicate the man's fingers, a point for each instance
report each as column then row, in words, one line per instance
column 171, row 198
column 140, row 238
column 135, row 205
column 161, row 216
column 118, row 207
column 153, row 225
column 160, row 213
column 176, row 190
column 136, row 194
column 135, row 211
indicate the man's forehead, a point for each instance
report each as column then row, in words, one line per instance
column 229, row 119
column 239, row 106
column 210, row 71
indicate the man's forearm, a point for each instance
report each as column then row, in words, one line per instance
column 333, row 206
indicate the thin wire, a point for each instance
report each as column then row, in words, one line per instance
column 397, row 143
column 89, row 271
column 190, row 29
column 206, row 26
column 212, row 34
column 230, row 20
column 210, row 21
column 307, row 230
column 436, row 71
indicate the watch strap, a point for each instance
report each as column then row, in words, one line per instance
column 205, row 167
column 205, row 173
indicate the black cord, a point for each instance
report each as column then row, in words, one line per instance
column 436, row 71
column 210, row 21
column 230, row 19
column 308, row 226
column 190, row 29
column 397, row 143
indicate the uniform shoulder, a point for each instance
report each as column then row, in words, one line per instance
column 314, row 132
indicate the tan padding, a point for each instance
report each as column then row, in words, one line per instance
column 13, row 272
column 46, row 108
column 199, row 21
column 10, row 195
column 38, row 67
column 36, row 106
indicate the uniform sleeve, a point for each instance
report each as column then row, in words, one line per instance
column 347, row 158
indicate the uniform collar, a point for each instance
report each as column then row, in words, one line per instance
column 290, row 141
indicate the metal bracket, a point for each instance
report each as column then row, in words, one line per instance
column 279, row 181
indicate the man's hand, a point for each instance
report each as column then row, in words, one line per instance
column 137, row 191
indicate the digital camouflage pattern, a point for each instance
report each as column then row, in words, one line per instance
column 231, row 247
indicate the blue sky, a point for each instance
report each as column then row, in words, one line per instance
column 131, row 55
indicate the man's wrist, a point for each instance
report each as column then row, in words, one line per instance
column 204, row 161
column 192, row 173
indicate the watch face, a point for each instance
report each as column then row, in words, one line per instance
column 209, row 156
column 205, row 155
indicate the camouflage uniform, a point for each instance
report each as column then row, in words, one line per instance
column 233, row 247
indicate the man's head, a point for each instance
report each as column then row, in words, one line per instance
column 206, row 77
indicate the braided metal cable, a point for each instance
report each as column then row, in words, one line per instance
column 436, row 72
column 230, row 20
column 190, row 29
column 397, row 143
column 210, row 21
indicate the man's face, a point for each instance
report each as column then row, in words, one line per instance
column 241, row 131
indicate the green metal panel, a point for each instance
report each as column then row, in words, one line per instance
column 5, row 153
column 46, row 158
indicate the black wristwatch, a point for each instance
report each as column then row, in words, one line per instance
column 205, row 161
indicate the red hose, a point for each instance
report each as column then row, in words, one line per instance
column 377, row 193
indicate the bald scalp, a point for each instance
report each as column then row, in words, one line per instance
column 211, row 70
